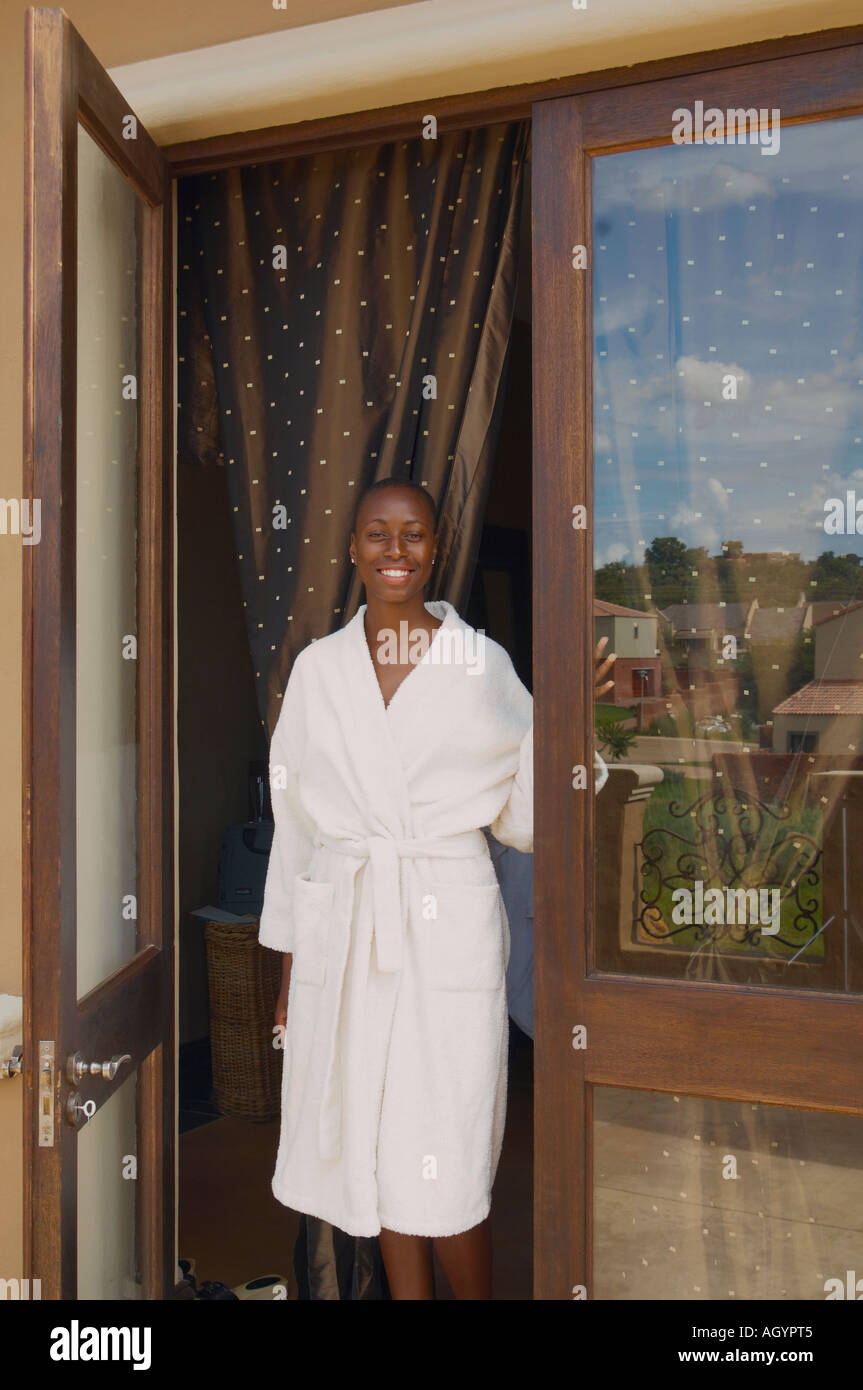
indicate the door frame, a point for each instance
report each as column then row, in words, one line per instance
column 132, row 1009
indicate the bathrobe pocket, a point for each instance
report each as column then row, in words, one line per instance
column 312, row 910
column 464, row 944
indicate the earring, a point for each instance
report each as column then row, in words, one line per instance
column 353, row 561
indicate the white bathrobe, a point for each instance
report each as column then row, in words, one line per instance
column 381, row 885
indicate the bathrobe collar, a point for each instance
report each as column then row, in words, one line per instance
column 373, row 741
column 439, row 608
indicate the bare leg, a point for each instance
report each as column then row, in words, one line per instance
column 466, row 1259
column 408, row 1263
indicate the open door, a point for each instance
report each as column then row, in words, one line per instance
column 699, row 965
column 98, row 682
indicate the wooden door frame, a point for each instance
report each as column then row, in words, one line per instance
column 133, row 1009
column 622, row 1013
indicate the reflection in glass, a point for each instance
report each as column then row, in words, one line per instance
column 728, row 462
column 106, row 576
column 107, row 1188
column 706, row 1199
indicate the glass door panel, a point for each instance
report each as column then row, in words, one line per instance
column 714, row 1199
column 109, row 271
column 728, row 558
column 108, row 1256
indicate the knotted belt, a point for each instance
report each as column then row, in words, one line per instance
column 381, row 854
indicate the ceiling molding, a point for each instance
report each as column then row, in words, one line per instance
column 433, row 49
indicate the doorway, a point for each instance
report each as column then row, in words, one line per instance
column 227, row 1144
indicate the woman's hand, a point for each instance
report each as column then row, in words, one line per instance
column 601, row 668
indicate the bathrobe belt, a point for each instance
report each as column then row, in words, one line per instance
column 382, row 855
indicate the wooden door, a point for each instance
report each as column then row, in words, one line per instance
column 699, row 1083
column 97, row 700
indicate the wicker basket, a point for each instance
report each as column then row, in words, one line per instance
column 244, row 979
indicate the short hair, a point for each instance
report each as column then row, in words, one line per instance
column 405, row 484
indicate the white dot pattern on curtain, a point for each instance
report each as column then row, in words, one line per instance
column 345, row 316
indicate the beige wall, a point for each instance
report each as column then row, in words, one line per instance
column 117, row 38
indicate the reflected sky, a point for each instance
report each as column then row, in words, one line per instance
column 713, row 261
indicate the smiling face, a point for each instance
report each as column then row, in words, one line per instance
column 394, row 544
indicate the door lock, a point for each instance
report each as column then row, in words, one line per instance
column 77, row 1068
column 77, row 1107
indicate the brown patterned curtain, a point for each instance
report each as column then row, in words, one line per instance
column 346, row 316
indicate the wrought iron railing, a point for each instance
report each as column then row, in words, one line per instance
column 730, row 838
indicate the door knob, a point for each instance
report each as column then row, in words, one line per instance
column 11, row 1066
column 77, row 1068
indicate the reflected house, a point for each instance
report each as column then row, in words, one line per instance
column 767, row 626
column 700, row 632
column 829, row 608
column 700, row 628
column 826, row 714
column 695, row 634
column 633, row 635
column 772, row 636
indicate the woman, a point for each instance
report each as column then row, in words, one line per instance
column 400, row 736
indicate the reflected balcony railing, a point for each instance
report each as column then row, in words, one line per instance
column 747, row 878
